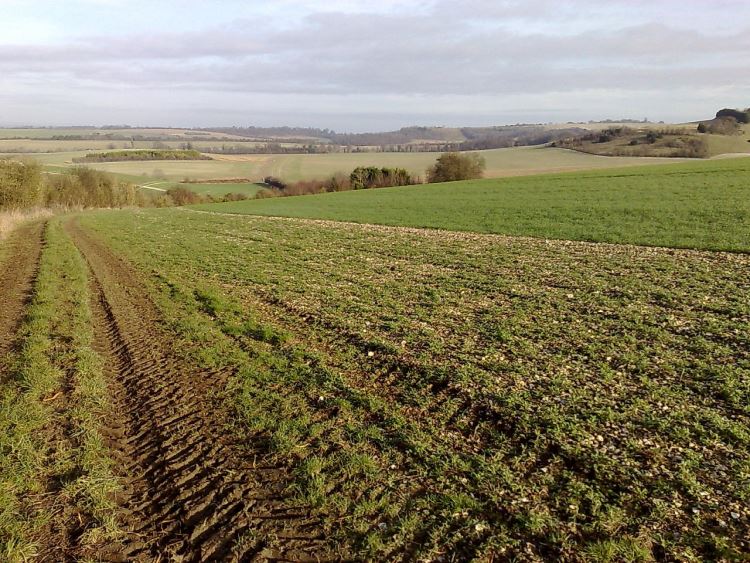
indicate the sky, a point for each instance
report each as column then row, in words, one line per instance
column 354, row 65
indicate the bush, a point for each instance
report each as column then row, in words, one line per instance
column 266, row 193
column 234, row 197
column 86, row 188
column 363, row 178
column 455, row 166
column 274, row 182
column 702, row 128
column 21, row 185
column 183, row 196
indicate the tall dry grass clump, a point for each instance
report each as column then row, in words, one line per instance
column 11, row 219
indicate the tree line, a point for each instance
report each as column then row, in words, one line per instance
column 24, row 186
column 142, row 154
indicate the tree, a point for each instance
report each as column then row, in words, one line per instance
column 453, row 166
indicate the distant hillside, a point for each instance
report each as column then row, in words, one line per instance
column 417, row 138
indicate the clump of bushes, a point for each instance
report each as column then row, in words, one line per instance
column 336, row 183
column 275, row 182
column 453, row 166
column 23, row 186
column 367, row 177
column 361, row 178
column 234, row 197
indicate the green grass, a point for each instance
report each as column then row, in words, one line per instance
column 466, row 396
column 55, row 365
column 696, row 205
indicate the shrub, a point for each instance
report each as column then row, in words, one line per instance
column 454, row 166
column 183, row 196
column 234, row 197
column 363, row 178
column 266, row 193
column 86, row 188
column 21, row 185
column 274, row 182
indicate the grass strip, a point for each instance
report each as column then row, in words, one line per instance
column 53, row 463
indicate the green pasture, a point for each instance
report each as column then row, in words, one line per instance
column 702, row 204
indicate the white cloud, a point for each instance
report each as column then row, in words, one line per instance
column 471, row 60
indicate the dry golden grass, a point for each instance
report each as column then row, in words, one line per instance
column 11, row 219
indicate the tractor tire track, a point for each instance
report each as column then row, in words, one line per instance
column 189, row 494
column 19, row 271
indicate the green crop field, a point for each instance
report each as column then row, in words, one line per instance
column 439, row 393
column 177, row 381
column 697, row 205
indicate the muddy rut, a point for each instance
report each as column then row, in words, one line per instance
column 190, row 494
column 17, row 274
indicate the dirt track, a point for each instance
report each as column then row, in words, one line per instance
column 17, row 274
column 189, row 494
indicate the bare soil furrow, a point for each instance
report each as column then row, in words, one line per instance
column 191, row 494
column 17, row 274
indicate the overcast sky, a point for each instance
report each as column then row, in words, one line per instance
column 369, row 65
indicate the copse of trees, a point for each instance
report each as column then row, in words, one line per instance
column 454, row 166
column 142, row 154
column 367, row 177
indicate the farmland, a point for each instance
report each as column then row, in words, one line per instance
column 214, row 383
column 697, row 205
column 294, row 167
column 386, row 392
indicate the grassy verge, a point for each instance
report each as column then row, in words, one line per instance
column 53, row 464
column 450, row 395
column 702, row 205
column 9, row 220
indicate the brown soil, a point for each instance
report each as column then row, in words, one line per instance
column 17, row 275
column 189, row 494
